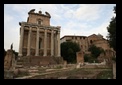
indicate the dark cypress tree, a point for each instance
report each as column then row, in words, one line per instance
column 112, row 31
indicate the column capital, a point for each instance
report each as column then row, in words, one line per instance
column 59, row 27
column 58, row 31
column 30, row 29
column 52, row 31
column 37, row 28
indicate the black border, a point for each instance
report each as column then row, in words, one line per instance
column 60, row 81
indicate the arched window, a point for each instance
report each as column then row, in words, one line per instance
column 39, row 21
column 91, row 41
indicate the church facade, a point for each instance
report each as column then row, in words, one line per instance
column 37, row 37
column 86, row 41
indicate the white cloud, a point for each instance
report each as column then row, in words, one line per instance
column 88, row 12
column 102, row 29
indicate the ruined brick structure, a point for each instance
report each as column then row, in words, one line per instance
column 80, row 57
column 9, row 61
column 86, row 41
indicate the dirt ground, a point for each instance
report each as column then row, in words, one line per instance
column 81, row 73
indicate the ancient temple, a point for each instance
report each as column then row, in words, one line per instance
column 37, row 37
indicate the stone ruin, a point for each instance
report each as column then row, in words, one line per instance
column 107, row 56
column 9, row 64
column 80, row 58
column 9, row 61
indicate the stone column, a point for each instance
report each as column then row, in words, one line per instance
column 58, row 38
column 37, row 43
column 29, row 40
column 45, row 42
column 55, row 45
column 52, row 43
column 21, row 40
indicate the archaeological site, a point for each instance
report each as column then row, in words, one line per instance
column 39, row 55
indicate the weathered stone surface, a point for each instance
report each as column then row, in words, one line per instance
column 63, row 77
column 8, row 74
column 40, row 61
column 80, row 57
column 86, row 41
column 23, row 70
column 16, row 71
column 9, row 61
column 114, row 70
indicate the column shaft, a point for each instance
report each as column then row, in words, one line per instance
column 45, row 43
column 29, row 38
column 52, row 43
column 37, row 43
column 21, row 40
column 58, row 36
column 55, row 45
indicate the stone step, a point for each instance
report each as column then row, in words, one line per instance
column 62, row 77
column 33, row 71
column 19, row 66
column 19, row 60
column 18, row 63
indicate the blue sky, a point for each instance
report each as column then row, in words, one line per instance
column 74, row 19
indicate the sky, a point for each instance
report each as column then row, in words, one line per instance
column 74, row 19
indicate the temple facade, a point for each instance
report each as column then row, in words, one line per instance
column 37, row 37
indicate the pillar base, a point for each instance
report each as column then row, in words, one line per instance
column 28, row 54
column 36, row 55
column 52, row 55
column 44, row 55
column 20, row 55
column 58, row 56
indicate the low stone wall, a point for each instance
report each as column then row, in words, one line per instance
column 102, row 63
column 96, row 66
column 114, row 70
column 41, row 61
column 8, row 74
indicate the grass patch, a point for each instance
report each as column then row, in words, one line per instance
column 59, row 67
column 105, row 75
column 21, row 74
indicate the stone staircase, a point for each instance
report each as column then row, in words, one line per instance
column 39, row 60
column 19, row 63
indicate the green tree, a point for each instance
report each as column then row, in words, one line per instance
column 68, row 51
column 86, row 57
column 112, row 31
column 95, row 51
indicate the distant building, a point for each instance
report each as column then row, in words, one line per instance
column 86, row 41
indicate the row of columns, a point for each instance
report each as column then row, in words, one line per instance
column 37, row 42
